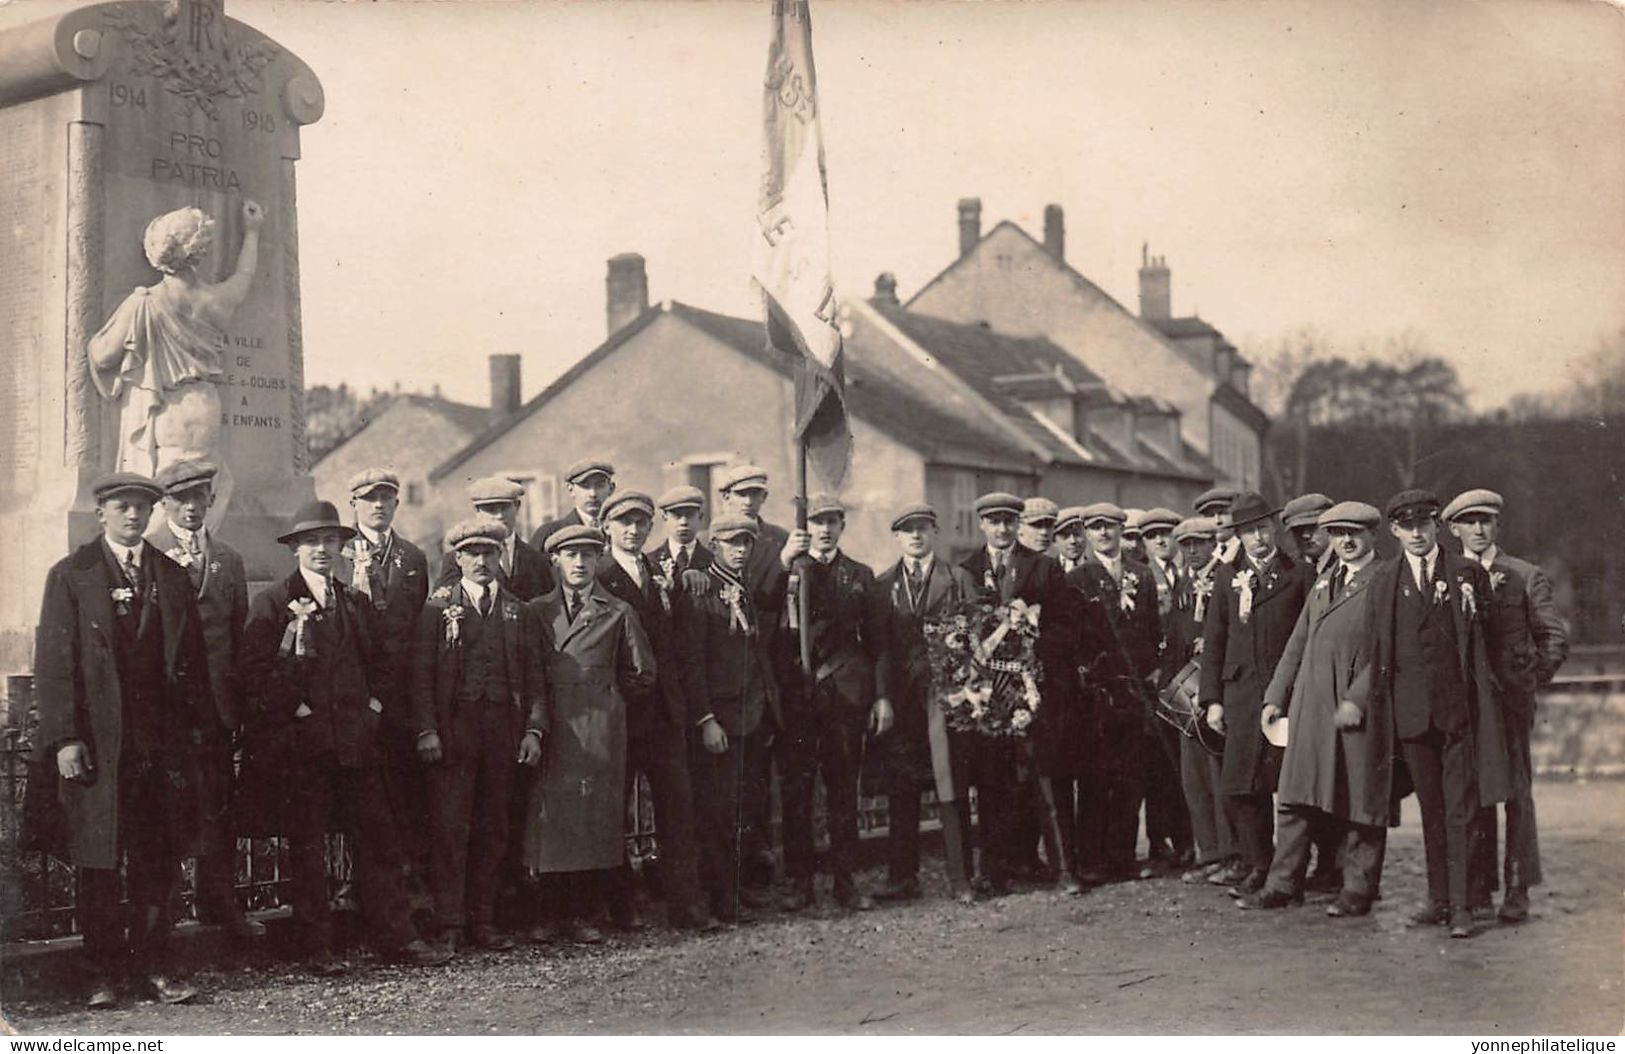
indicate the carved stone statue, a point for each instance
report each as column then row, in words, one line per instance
column 161, row 353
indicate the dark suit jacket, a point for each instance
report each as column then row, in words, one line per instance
column 531, row 577
column 1467, row 593
column 1115, row 646
column 405, row 571
column 1238, row 660
column 655, row 605
column 1036, row 579
column 437, row 670
column 338, row 683
column 538, row 537
column 1529, row 640
column 726, row 672
column 80, row 698
column 847, row 636
column 903, row 666
column 222, row 602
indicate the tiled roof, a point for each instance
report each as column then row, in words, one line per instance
column 471, row 419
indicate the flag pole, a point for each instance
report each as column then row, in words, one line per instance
column 802, row 563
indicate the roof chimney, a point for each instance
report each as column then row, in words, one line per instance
column 885, row 290
column 1156, row 296
column 626, row 290
column 1055, row 231
column 504, row 387
column 970, row 224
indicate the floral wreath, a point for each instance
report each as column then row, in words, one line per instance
column 984, row 667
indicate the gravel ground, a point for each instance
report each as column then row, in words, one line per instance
column 1146, row 957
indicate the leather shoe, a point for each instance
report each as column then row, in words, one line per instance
column 103, row 996
column 1328, row 880
column 167, row 989
column 490, row 938
column 1228, row 875
column 422, row 953
column 545, row 933
column 1069, row 884
column 1432, row 915
column 852, row 898
column 1515, row 906
column 583, row 932
column 798, row 896
column 324, row 964
column 1201, row 872
column 1348, row 905
column 1251, row 884
column 1461, row 924
column 1268, row 899
column 758, row 897
column 907, row 889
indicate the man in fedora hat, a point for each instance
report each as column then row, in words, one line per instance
column 126, row 717
column 522, row 568
column 313, row 668
column 1337, row 769
column 1430, row 666
column 220, row 583
column 479, row 712
column 589, row 483
column 1255, row 605
column 390, row 573
column 1529, row 643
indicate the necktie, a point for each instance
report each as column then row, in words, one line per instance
column 1339, row 580
column 572, row 605
column 682, row 560
column 915, row 581
column 485, row 602
column 132, row 571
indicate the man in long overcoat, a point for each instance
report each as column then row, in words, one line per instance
column 220, row 583
column 125, row 715
column 479, row 713
column 1338, row 769
column 1250, row 617
column 918, row 589
column 1529, row 644
column 1430, row 663
column 596, row 656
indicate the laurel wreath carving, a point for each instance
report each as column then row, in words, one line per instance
column 200, row 81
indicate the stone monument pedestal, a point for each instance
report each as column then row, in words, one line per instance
column 111, row 115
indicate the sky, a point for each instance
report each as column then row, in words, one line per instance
column 1363, row 168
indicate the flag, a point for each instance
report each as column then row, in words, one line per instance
column 791, row 259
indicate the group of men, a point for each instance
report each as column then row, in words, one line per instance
column 475, row 730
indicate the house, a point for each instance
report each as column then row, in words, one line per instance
column 1023, row 287
column 410, row 435
column 940, row 411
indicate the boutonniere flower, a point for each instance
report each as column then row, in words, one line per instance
column 181, row 555
column 1125, row 595
column 734, row 597
column 1246, row 581
column 122, row 595
column 295, row 637
column 1324, row 584
column 397, row 561
column 1469, row 602
column 665, row 580
column 990, row 583
column 443, row 593
column 453, row 616
column 1497, row 580
column 214, row 567
column 1441, row 590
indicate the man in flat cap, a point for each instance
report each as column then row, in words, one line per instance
column 220, row 584
column 657, row 717
column 126, row 718
column 392, row 575
column 1430, row 666
column 313, row 669
column 478, row 711
column 682, row 515
column 1201, row 763
column 1214, row 502
column 918, row 589
column 1167, row 820
column 1133, row 546
column 522, row 568
column 827, row 712
column 1529, row 642
column 1037, row 528
column 1004, row 570
column 1117, row 639
column 597, row 658
column 1301, row 518
column 1070, row 546
column 742, row 492
column 1337, row 771
column 589, row 483
column 728, row 681
column 1255, row 605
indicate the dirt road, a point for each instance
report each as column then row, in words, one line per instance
column 1146, row 957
